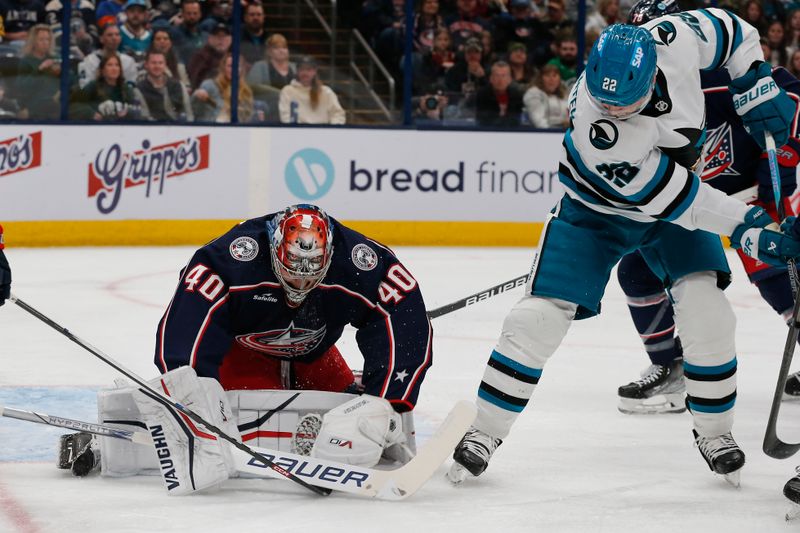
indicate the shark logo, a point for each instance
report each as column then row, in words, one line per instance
column 286, row 343
column 664, row 32
column 603, row 134
column 718, row 153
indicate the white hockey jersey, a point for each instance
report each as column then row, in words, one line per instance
column 641, row 167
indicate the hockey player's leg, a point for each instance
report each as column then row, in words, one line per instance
column 706, row 324
column 660, row 388
column 531, row 333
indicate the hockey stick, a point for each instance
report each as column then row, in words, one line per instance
column 396, row 484
column 138, row 437
column 773, row 445
column 166, row 400
column 478, row 296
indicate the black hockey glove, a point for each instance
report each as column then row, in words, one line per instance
column 5, row 278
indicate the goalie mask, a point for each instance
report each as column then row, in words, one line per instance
column 301, row 246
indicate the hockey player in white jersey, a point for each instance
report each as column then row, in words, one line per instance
column 637, row 118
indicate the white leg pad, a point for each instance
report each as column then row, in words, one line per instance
column 706, row 325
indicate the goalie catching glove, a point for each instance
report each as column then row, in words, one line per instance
column 359, row 431
column 760, row 237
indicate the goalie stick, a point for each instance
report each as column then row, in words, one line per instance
column 479, row 296
column 396, row 484
column 166, row 400
column 773, row 445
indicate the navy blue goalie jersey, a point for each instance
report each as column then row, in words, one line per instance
column 733, row 162
column 229, row 294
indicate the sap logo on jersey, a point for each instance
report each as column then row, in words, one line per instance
column 20, row 153
column 309, row 174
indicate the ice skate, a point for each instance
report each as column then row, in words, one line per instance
column 791, row 389
column 306, row 433
column 792, row 492
column 660, row 390
column 79, row 453
column 722, row 455
column 472, row 455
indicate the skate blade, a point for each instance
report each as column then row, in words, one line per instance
column 734, row 478
column 793, row 512
column 656, row 405
column 457, row 474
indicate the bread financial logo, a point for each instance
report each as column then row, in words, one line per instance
column 309, row 174
column 603, row 134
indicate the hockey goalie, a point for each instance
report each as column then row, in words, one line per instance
column 248, row 343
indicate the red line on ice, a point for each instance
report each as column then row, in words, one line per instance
column 15, row 512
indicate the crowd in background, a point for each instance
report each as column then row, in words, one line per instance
column 492, row 63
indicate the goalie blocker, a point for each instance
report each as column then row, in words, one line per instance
column 356, row 430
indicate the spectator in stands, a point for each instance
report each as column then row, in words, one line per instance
column 468, row 73
column 254, row 36
column 753, row 13
column 431, row 66
column 186, row 34
column 465, row 24
column 38, row 79
column 163, row 98
column 774, row 10
column 556, row 20
column 777, row 44
column 794, row 64
column 566, row 47
column 390, row 43
column 521, row 70
column 606, row 13
column 212, row 101
column 109, row 12
column 792, row 31
column 546, row 101
column 765, row 49
column 135, row 35
column 499, row 104
column 377, row 15
column 427, row 21
column 108, row 97
column 109, row 44
column 268, row 76
column 205, row 63
column 219, row 12
column 19, row 16
column 176, row 69
column 518, row 26
column 9, row 108
column 83, row 29
column 307, row 101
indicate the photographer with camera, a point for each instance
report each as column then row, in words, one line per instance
column 430, row 107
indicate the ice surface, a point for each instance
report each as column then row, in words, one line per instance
column 571, row 463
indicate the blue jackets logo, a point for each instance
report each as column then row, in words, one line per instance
column 309, row 174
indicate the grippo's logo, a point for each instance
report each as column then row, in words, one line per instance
column 114, row 170
column 20, row 153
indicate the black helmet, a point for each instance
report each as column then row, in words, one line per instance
column 646, row 10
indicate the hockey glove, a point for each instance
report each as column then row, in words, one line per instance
column 760, row 238
column 5, row 278
column 762, row 105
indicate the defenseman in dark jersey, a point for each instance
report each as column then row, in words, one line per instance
column 262, row 306
column 732, row 162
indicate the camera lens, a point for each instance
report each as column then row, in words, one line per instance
column 431, row 103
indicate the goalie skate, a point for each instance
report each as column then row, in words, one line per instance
column 78, row 453
column 722, row 455
column 791, row 389
column 472, row 455
column 660, row 390
column 792, row 492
